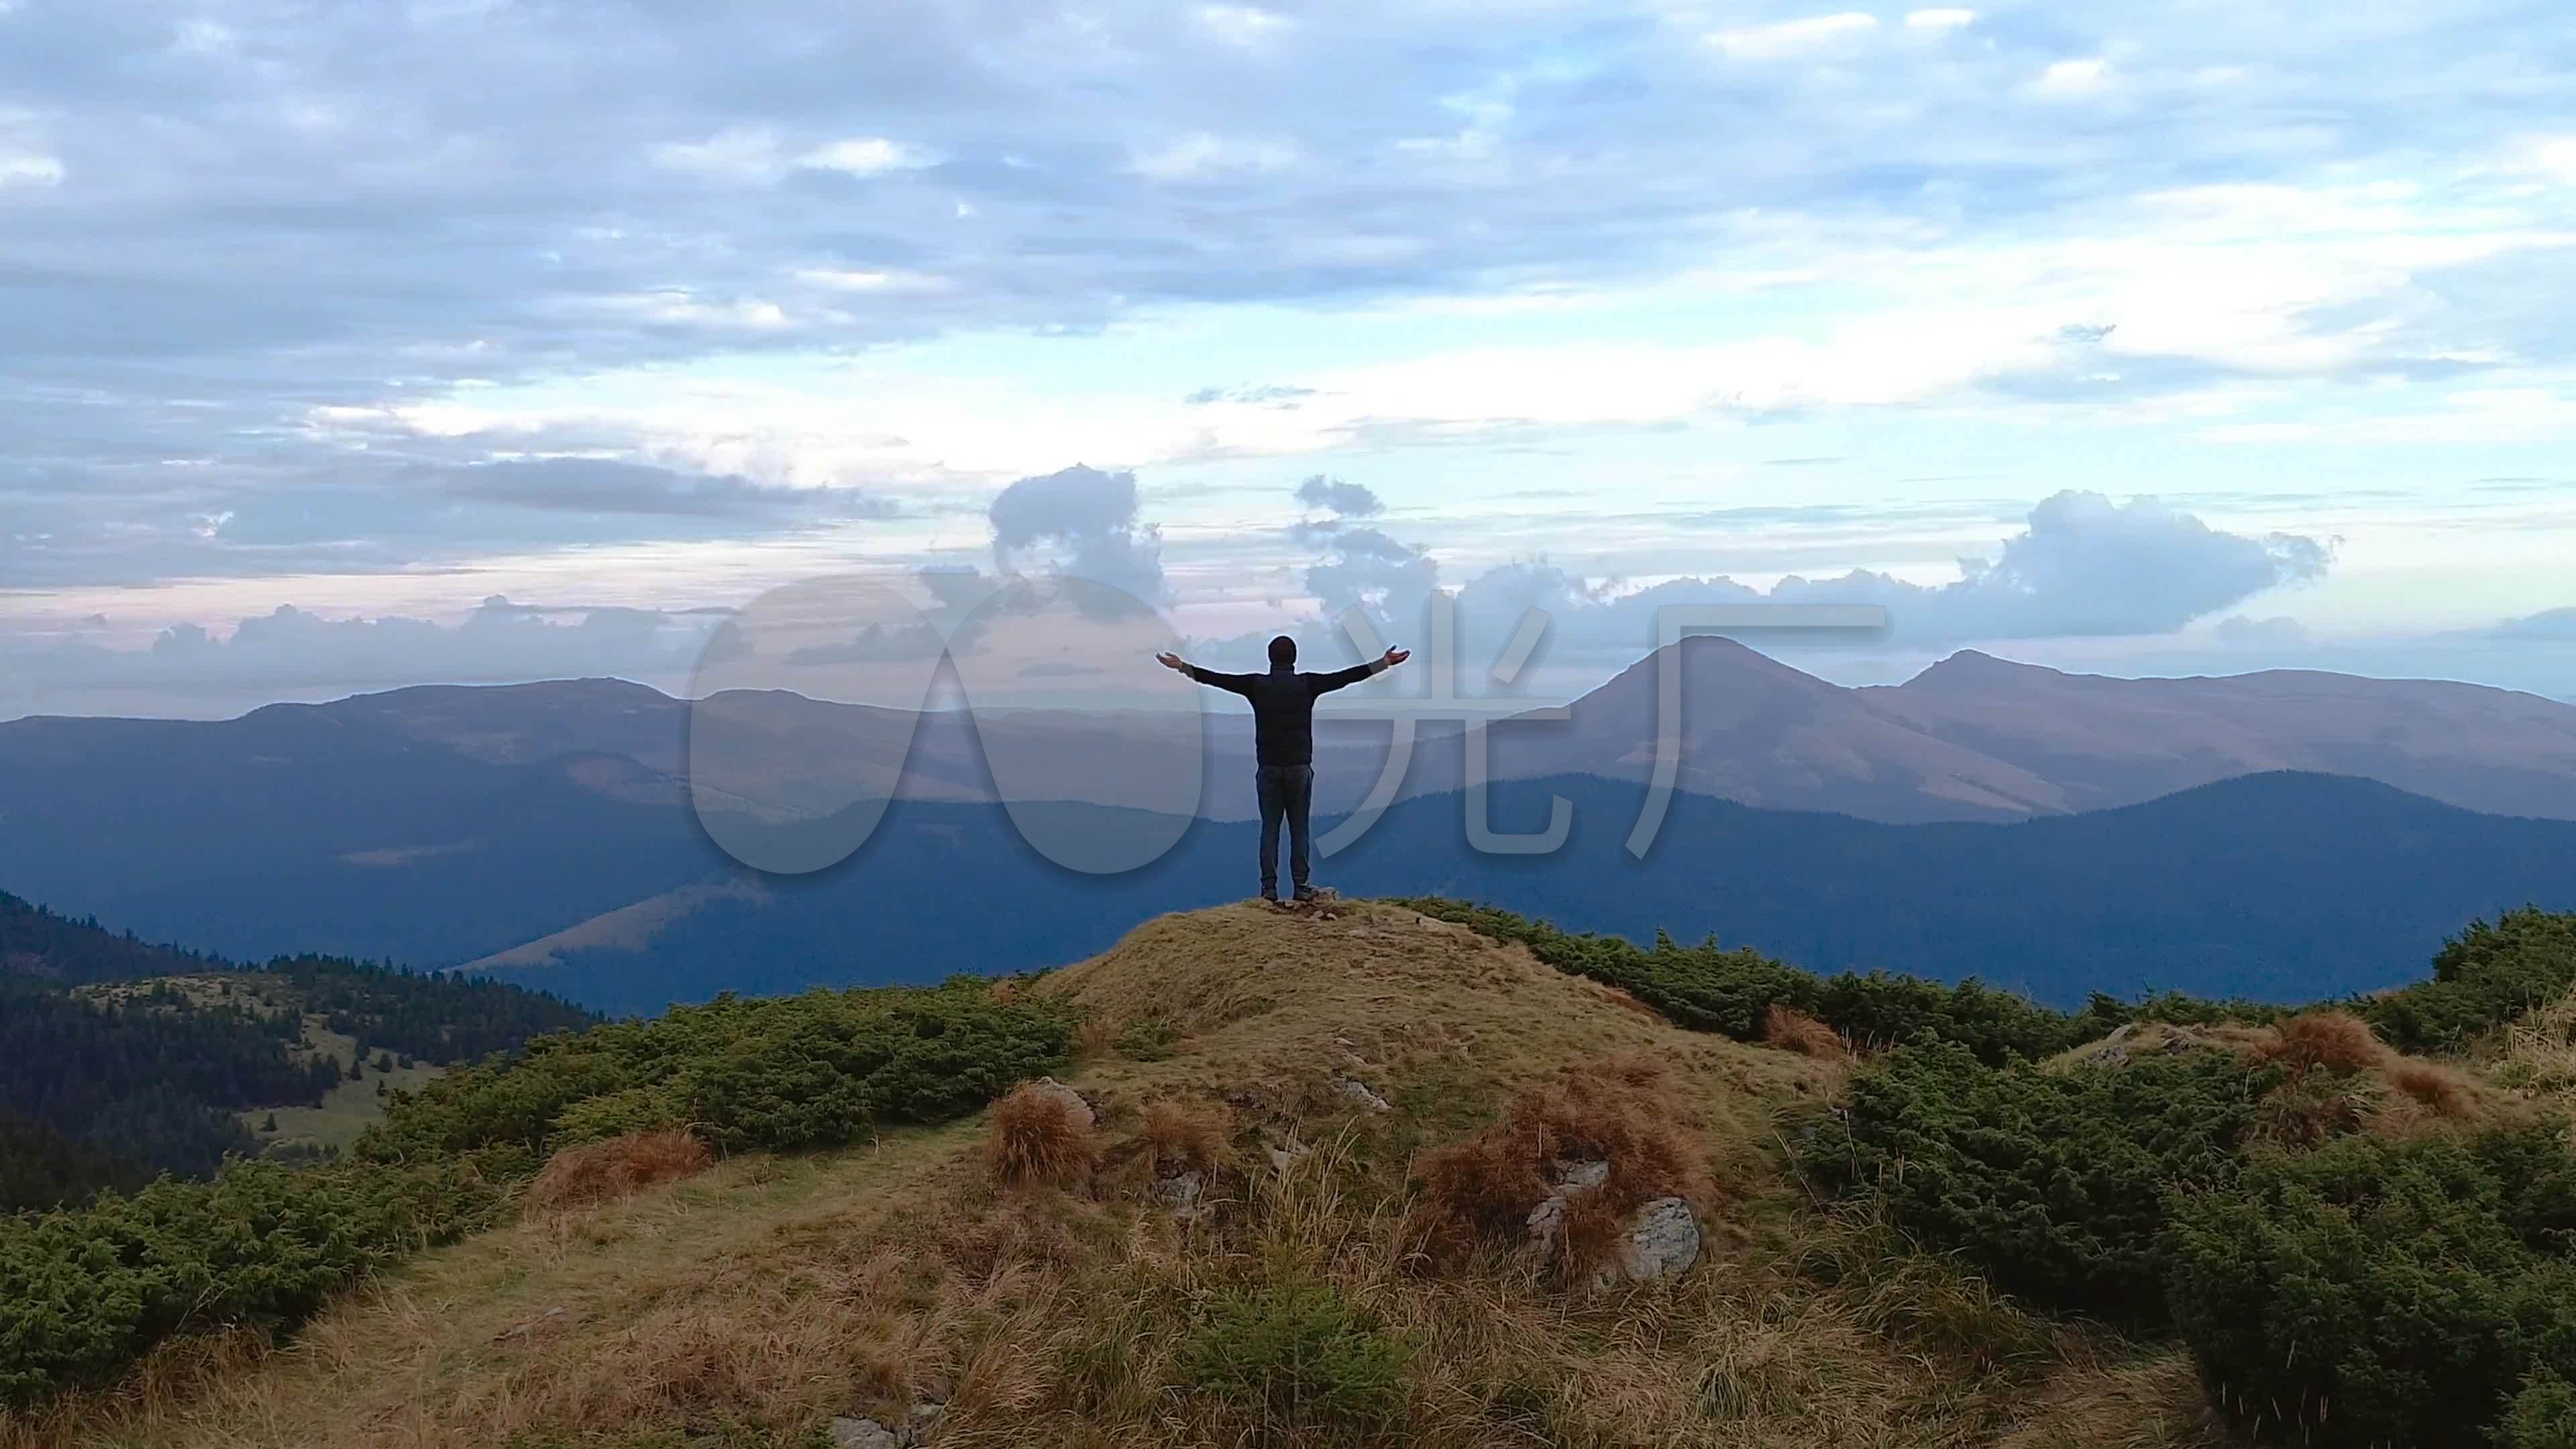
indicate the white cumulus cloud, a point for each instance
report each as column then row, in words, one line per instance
column 2076, row 77
column 1792, row 37
column 27, row 168
column 1204, row 154
column 862, row 156
column 742, row 153
column 1243, row 25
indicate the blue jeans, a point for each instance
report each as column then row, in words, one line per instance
column 1284, row 790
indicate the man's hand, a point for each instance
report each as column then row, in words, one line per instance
column 1171, row 661
column 1395, row 657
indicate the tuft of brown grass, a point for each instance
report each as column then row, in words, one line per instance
column 1093, row 1038
column 1790, row 1029
column 2308, row 1111
column 2343, row 1079
column 2442, row 1090
column 2332, row 1041
column 1622, row 1111
column 1043, row 1136
column 597, row 1172
column 1187, row 1136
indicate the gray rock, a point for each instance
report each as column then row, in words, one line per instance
column 1050, row 1087
column 1287, row 1155
column 1545, row 1222
column 1662, row 1241
column 863, row 1434
column 2113, row 1050
column 1180, row 1193
column 1359, row 1092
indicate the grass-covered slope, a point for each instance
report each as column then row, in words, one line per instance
column 1290, row 1205
column 1309, row 1299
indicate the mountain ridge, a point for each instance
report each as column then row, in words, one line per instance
column 1971, row 737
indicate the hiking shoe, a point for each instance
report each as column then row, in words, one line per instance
column 1270, row 894
column 1307, row 893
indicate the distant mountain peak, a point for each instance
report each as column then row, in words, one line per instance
column 1969, row 666
column 1706, row 659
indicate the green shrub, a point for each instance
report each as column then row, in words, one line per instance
column 1308, row 1356
column 783, row 1073
column 2543, row 1415
column 84, row 1293
column 617, row 1114
column 2374, row 1293
column 1147, row 1040
column 2045, row 1181
column 2487, row 976
column 1708, row 988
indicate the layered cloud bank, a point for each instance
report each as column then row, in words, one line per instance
column 2083, row 565
column 377, row 310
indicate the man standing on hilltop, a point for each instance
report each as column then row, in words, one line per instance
column 1283, row 733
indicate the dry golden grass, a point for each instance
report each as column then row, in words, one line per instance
column 1042, row 1136
column 2535, row 1057
column 1093, row 1038
column 761, row 1297
column 598, row 1171
column 2120, row 1401
column 1790, row 1029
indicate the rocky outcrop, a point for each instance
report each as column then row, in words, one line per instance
column 1359, row 1092
column 1179, row 1194
column 2151, row 1039
column 853, row 1433
column 1659, row 1240
column 863, row 1434
column 1074, row 1102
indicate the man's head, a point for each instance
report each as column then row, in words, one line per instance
column 1283, row 652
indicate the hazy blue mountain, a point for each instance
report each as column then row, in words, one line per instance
column 292, row 830
column 521, row 826
column 2279, row 886
column 2104, row 741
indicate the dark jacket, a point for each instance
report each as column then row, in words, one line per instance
column 1283, row 706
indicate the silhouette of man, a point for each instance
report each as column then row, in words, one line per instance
column 1283, row 735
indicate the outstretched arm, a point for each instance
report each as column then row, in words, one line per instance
column 1237, row 683
column 1326, row 683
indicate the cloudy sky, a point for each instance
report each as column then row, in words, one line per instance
column 351, row 345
